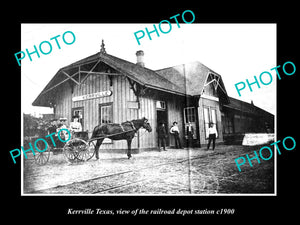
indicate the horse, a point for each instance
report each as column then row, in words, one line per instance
column 116, row 131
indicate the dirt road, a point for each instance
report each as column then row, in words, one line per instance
column 176, row 171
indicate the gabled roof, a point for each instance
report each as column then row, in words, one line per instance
column 193, row 76
column 186, row 79
column 141, row 75
column 136, row 72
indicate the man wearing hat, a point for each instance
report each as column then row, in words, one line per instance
column 213, row 134
column 189, row 135
column 175, row 132
column 162, row 135
column 52, row 127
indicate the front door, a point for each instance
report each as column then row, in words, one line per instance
column 190, row 115
column 162, row 116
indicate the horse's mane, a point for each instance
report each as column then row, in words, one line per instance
column 135, row 120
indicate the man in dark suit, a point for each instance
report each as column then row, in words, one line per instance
column 189, row 135
column 162, row 135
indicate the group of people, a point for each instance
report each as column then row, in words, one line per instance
column 76, row 126
column 61, row 123
column 174, row 130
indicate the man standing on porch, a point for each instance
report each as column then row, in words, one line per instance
column 175, row 132
column 212, row 135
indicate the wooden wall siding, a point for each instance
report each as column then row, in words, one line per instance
column 122, row 94
column 121, row 113
column 95, row 83
column 148, row 110
column 64, row 102
column 209, row 103
column 175, row 113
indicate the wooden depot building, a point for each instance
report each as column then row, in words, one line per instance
column 103, row 88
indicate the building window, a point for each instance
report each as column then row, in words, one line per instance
column 227, row 122
column 214, row 116
column 105, row 113
column 210, row 116
column 190, row 114
column 160, row 105
column 80, row 113
column 106, row 116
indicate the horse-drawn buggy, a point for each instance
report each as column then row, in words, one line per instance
column 80, row 147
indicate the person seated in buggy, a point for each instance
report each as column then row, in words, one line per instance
column 52, row 128
column 63, row 134
column 75, row 126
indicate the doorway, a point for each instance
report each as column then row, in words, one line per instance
column 190, row 115
column 162, row 116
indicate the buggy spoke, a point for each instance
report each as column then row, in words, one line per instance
column 42, row 158
column 73, row 150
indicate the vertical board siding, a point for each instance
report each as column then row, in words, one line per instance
column 211, row 104
column 63, row 105
column 147, row 140
column 122, row 94
column 175, row 114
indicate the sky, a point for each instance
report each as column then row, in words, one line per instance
column 235, row 51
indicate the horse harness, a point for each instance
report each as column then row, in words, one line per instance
column 132, row 125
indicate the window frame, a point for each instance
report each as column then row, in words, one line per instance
column 160, row 105
column 189, row 114
column 110, row 104
column 106, row 140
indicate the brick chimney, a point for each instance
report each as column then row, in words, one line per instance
column 140, row 58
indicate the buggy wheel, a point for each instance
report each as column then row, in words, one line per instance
column 86, row 151
column 91, row 150
column 41, row 158
column 74, row 150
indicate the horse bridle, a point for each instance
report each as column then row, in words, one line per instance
column 134, row 128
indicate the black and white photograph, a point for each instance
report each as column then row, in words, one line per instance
column 126, row 112
column 134, row 110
